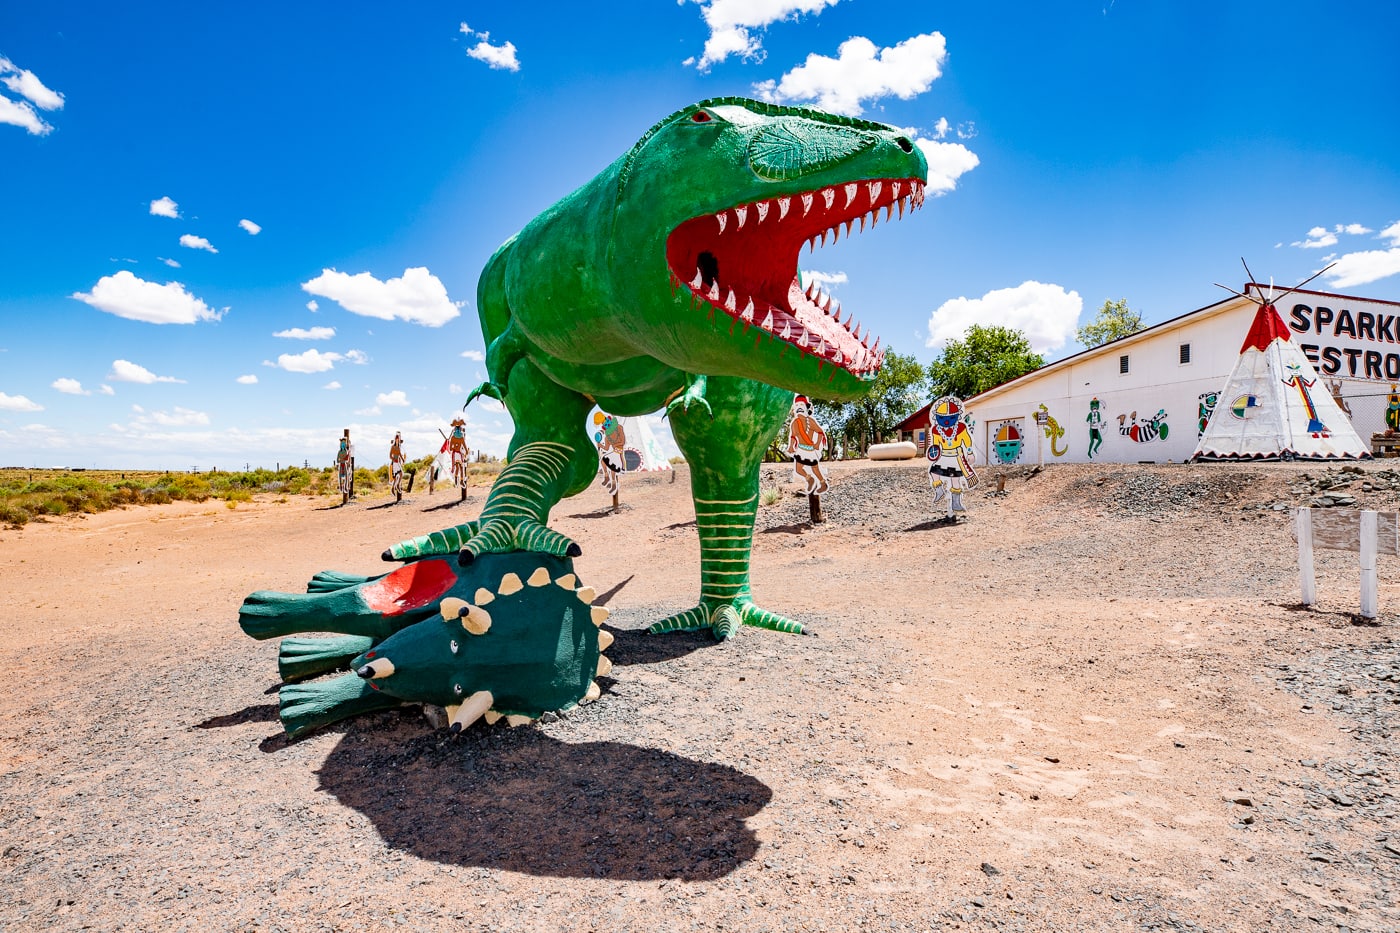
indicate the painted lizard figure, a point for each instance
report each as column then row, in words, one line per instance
column 670, row 281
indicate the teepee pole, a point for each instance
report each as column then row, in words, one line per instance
column 1307, row 578
column 1368, row 564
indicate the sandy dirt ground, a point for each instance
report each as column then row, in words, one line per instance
column 1095, row 704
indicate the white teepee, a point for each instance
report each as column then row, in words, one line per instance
column 641, row 451
column 1273, row 406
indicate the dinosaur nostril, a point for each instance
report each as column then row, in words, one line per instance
column 366, row 672
column 904, row 143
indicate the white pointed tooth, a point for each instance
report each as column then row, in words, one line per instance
column 812, row 289
column 783, row 205
column 742, row 213
column 889, row 211
column 747, row 313
column 849, row 225
column 762, row 211
column 714, row 292
column 900, row 202
column 825, row 302
column 824, row 233
column 697, row 282
column 851, row 189
column 862, row 223
column 821, row 346
column 806, row 203
column 802, row 339
column 836, row 309
column 874, row 217
column 835, row 233
column 472, row 709
column 787, row 330
column 767, row 320
column 723, row 217
column 730, row 303
column 873, row 189
column 855, row 332
column 829, row 196
column 895, row 188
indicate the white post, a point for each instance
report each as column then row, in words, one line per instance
column 1302, row 519
column 1368, row 564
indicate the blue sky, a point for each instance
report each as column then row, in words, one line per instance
column 229, row 233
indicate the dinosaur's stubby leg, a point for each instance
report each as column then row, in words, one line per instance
column 550, row 458
column 725, row 452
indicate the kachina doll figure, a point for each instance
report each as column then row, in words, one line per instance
column 1095, row 420
column 1392, row 411
column 950, row 454
column 612, row 445
column 396, row 462
column 806, row 444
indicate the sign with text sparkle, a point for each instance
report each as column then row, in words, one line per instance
column 1355, row 340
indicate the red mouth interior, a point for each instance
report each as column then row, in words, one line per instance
column 743, row 261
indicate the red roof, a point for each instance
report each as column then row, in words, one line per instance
column 918, row 419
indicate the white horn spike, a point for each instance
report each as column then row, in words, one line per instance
column 605, row 639
column 472, row 709
column 568, row 581
column 599, row 615
column 477, row 621
column 587, row 594
column 510, row 583
column 604, row 666
column 594, row 692
column 539, row 578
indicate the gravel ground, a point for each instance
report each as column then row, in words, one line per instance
column 1092, row 704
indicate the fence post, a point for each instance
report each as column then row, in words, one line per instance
column 1368, row 564
column 1302, row 519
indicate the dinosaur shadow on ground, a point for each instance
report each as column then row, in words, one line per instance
column 523, row 801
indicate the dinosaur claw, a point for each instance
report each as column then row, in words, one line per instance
column 573, row 550
column 387, row 555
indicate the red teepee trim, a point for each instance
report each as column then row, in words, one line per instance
column 1267, row 328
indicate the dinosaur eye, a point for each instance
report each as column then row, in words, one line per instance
column 700, row 116
column 457, row 689
column 454, row 646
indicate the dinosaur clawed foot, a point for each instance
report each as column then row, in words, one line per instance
column 724, row 619
column 501, row 536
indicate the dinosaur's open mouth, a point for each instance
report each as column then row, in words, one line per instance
column 743, row 261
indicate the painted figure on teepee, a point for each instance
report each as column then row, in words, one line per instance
column 1274, row 414
column 807, row 444
column 611, row 439
column 950, row 455
column 668, row 282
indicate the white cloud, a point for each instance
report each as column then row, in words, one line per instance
column 368, row 412
column 126, row 371
column 169, row 262
column 358, row 357
column 176, row 418
column 164, row 207
column 1391, row 233
column 312, row 361
column 940, row 129
column 105, row 389
column 69, row 386
column 248, row 380
column 312, row 306
column 332, row 385
column 18, row 403
column 454, row 389
column 125, row 295
column 1364, row 267
column 824, row 279
column 418, row 296
column 18, row 113
column 303, row 333
column 27, row 85
column 1046, row 314
column 967, row 130
column 395, row 398
column 497, row 56
column 947, row 162
column 474, row 355
column 861, row 73
column 731, row 23
column 196, row 242
column 1321, row 237
column 252, row 228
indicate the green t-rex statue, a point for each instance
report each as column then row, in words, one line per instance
column 670, row 281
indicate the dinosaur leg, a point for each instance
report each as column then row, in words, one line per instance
column 725, row 451
column 550, row 458
column 298, row 658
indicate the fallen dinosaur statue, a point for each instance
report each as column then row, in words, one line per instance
column 669, row 281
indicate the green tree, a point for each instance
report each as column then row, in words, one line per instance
column 1115, row 319
column 899, row 389
column 987, row 356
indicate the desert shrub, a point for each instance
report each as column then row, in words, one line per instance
column 14, row 515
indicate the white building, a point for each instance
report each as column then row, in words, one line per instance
column 1149, row 394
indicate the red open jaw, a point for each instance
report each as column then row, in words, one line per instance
column 743, row 262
